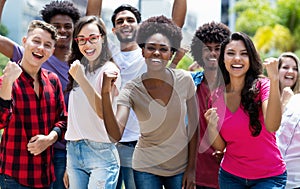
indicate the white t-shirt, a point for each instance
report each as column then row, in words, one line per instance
column 132, row 64
column 83, row 122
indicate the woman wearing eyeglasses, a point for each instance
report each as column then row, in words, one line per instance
column 92, row 160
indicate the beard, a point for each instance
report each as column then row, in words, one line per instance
column 126, row 39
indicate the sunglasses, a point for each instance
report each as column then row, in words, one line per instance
column 92, row 39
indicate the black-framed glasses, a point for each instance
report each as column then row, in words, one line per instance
column 92, row 39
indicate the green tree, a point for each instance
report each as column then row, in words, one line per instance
column 3, row 62
column 3, row 30
column 254, row 14
column 275, row 27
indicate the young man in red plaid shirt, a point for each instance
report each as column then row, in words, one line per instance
column 32, row 113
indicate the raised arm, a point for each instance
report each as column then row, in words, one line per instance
column 179, row 12
column 94, row 7
column 114, row 125
column 2, row 3
column 272, row 107
column 6, row 45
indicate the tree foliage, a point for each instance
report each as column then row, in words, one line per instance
column 274, row 25
column 3, row 30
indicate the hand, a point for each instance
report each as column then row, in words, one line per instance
column 212, row 117
column 38, row 144
column 287, row 93
column 109, row 79
column 11, row 72
column 218, row 155
column 271, row 65
column 66, row 179
column 77, row 71
column 188, row 181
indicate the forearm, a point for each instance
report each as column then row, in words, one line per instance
column 94, row 7
column 179, row 12
column 5, row 90
column 215, row 139
column 2, row 3
column 274, row 112
column 110, row 121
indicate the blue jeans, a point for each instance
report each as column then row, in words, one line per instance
column 229, row 181
column 145, row 180
column 92, row 164
column 125, row 150
column 59, row 161
column 7, row 182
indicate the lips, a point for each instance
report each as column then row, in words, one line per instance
column 90, row 52
column 37, row 55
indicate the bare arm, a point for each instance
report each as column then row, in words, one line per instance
column 114, row 125
column 2, row 3
column 215, row 138
column 6, row 46
column 94, row 7
column 193, row 133
column 272, row 107
column 179, row 12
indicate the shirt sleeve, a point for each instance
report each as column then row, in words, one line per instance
column 17, row 54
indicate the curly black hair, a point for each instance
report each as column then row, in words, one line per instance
column 252, row 80
column 127, row 7
column 60, row 7
column 162, row 25
column 213, row 32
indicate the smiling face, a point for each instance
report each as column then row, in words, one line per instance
column 38, row 47
column 210, row 56
column 157, row 52
column 288, row 72
column 236, row 59
column 64, row 25
column 92, row 48
column 125, row 26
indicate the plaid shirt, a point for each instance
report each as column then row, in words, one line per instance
column 25, row 116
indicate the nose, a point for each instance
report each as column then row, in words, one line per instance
column 290, row 70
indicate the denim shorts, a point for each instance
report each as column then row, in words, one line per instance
column 229, row 181
column 92, row 164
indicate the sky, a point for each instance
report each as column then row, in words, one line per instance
column 205, row 10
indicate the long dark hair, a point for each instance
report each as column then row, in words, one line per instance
column 251, row 88
column 105, row 54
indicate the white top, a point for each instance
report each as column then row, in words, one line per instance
column 83, row 122
column 288, row 138
column 132, row 64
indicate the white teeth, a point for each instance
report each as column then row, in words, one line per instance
column 237, row 66
column 289, row 77
column 62, row 37
column 213, row 59
column 89, row 51
column 156, row 60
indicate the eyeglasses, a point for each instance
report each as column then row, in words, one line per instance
column 92, row 39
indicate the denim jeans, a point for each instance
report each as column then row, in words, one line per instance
column 145, row 180
column 125, row 150
column 59, row 161
column 229, row 181
column 92, row 164
column 7, row 182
